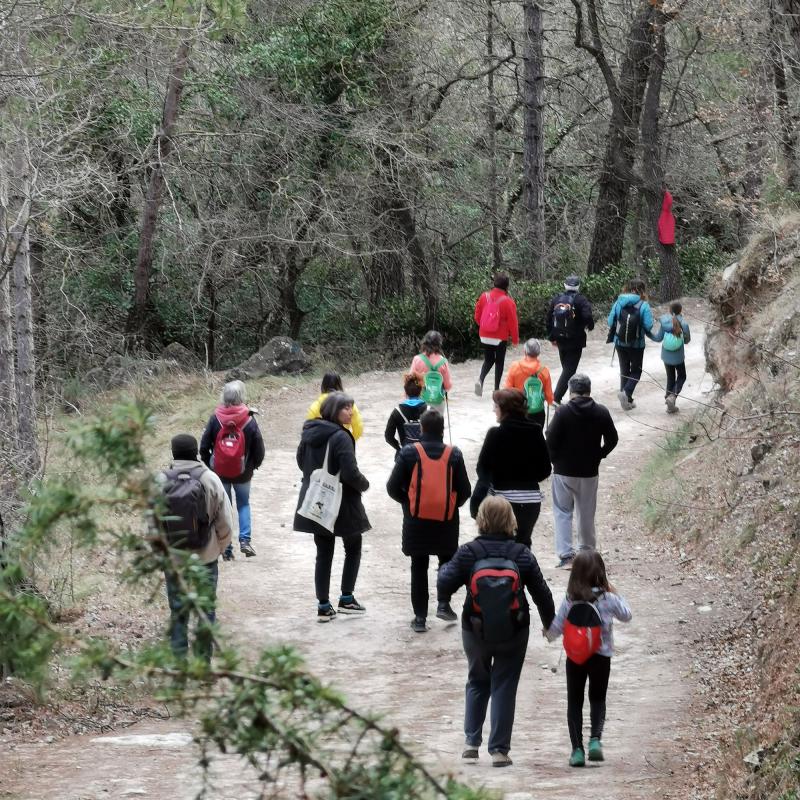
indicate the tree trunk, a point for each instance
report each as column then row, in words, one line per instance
column 141, row 323
column 491, row 140
column 25, row 375
column 623, row 130
column 788, row 134
column 533, row 140
column 653, row 169
column 7, row 381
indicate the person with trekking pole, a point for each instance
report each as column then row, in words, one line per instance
column 514, row 459
column 569, row 317
column 430, row 481
column 629, row 321
column 434, row 369
column 496, row 316
column 495, row 623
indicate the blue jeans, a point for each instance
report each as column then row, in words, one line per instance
column 179, row 617
column 242, row 493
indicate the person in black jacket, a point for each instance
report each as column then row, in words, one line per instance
column 494, row 668
column 317, row 436
column 409, row 411
column 424, row 537
column 580, row 436
column 569, row 316
column 233, row 409
column 514, row 459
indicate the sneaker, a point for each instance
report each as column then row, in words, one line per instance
column 228, row 554
column 469, row 752
column 625, row 402
column 247, row 549
column 631, row 404
column 349, row 605
column 670, row 401
column 566, row 562
column 501, row 760
column 577, row 759
column 418, row 625
column 326, row 613
column 478, row 388
column 445, row 612
column 595, row 750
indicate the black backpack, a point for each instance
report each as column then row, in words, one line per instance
column 629, row 323
column 185, row 521
column 412, row 429
column 496, row 594
column 564, row 322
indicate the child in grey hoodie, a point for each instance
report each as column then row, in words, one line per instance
column 588, row 584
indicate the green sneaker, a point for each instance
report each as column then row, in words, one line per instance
column 595, row 750
column 577, row 759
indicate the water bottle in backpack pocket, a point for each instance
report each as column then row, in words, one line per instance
column 496, row 596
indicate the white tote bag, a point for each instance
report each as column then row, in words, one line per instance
column 323, row 496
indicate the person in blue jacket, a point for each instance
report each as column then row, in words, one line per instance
column 674, row 334
column 629, row 321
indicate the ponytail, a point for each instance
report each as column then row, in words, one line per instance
column 677, row 328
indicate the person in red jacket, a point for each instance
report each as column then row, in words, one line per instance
column 496, row 315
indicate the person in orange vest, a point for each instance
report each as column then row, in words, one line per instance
column 496, row 315
column 430, row 481
column 539, row 391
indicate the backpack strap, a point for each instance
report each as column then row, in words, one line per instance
column 402, row 414
column 426, row 361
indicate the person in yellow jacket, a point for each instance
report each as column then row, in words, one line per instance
column 526, row 367
column 331, row 382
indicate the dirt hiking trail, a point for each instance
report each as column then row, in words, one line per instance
column 417, row 680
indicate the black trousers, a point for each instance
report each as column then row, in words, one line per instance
column 630, row 368
column 526, row 515
column 352, row 561
column 676, row 377
column 597, row 670
column 494, row 355
column 570, row 357
column 419, row 582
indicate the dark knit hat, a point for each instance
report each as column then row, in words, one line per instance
column 184, row 446
column 572, row 282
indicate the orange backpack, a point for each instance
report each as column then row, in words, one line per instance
column 431, row 494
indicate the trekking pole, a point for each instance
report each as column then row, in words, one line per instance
column 555, row 668
column 547, row 418
column 447, row 408
column 613, row 353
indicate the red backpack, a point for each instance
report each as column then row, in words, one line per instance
column 490, row 316
column 582, row 631
column 230, row 453
column 430, row 493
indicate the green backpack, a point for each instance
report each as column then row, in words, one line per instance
column 433, row 390
column 534, row 393
column 672, row 342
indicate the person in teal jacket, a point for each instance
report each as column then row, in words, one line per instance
column 629, row 321
column 674, row 334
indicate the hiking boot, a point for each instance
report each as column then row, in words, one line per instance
column 418, row 625
column 247, row 549
column 566, row 562
column 577, row 759
column 501, row 760
column 326, row 613
column 349, row 605
column 445, row 612
column 478, row 388
column 595, row 750
column 227, row 555
column 469, row 752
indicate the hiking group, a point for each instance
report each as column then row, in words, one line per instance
column 431, row 483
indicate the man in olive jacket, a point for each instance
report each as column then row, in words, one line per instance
column 423, row 538
column 580, row 436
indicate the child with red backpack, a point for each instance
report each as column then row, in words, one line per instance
column 434, row 369
column 586, row 621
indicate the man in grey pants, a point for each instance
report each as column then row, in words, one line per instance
column 580, row 435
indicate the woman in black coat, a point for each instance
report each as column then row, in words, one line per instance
column 513, row 459
column 423, row 538
column 318, row 434
column 494, row 631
